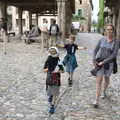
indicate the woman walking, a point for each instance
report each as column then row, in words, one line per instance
column 105, row 58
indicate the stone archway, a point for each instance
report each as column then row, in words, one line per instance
column 63, row 8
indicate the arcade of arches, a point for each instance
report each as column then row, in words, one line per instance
column 62, row 8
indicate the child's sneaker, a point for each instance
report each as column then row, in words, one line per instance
column 52, row 109
column 69, row 82
column 50, row 99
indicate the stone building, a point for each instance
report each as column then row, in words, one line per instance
column 83, row 8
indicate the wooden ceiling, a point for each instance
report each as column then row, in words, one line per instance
column 38, row 6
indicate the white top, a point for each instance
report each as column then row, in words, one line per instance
column 44, row 27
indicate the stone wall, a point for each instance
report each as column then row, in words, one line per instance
column 86, row 13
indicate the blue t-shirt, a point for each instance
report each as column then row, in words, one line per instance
column 71, row 48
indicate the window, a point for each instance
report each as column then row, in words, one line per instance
column 80, row 1
column 23, row 22
column 80, row 12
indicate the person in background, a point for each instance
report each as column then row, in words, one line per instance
column 53, row 32
column 3, row 28
column 44, row 34
column 3, row 33
column 72, row 28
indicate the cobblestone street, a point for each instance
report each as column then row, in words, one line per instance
column 22, row 85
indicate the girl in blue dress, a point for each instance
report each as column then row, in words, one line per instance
column 70, row 59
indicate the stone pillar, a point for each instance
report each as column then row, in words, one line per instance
column 3, row 32
column 64, row 17
column 63, row 26
column 3, row 14
column 68, row 18
column 20, row 21
column 114, row 18
column 36, row 19
column 89, row 19
column 1, row 10
column 59, row 9
column 14, row 23
column 30, row 19
column 118, row 24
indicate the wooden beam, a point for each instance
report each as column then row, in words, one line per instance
column 27, row 1
column 40, row 8
column 50, row 14
column 31, row 4
column 37, row 5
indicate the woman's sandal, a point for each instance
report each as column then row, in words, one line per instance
column 95, row 104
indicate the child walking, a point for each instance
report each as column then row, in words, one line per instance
column 70, row 59
column 54, row 68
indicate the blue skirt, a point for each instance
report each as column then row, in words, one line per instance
column 70, row 62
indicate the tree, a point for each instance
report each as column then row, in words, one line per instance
column 101, row 16
column 78, row 18
column 94, row 23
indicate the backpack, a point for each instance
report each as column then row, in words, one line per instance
column 53, row 30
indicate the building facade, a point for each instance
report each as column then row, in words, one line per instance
column 83, row 8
